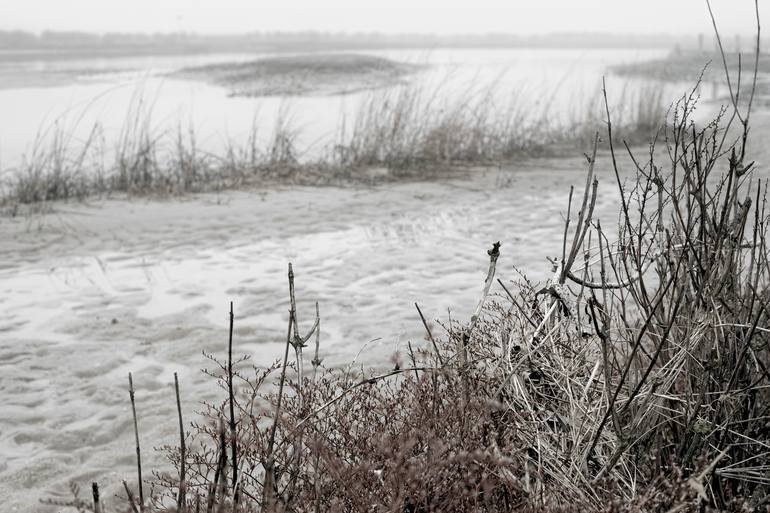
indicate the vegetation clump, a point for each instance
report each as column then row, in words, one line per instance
column 316, row 74
column 395, row 134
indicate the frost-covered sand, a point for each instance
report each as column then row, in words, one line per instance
column 92, row 291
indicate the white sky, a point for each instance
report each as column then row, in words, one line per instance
column 392, row 16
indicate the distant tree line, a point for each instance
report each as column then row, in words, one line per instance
column 289, row 41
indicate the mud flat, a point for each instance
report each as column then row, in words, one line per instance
column 90, row 291
column 301, row 75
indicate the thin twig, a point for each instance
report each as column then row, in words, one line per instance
column 268, row 488
column 316, row 360
column 585, row 214
column 131, row 498
column 367, row 381
column 231, row 397
column 181, row 504
column 136, row 435
column 430, row 335
column 414, row 362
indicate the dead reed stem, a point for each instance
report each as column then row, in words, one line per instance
column 95, row 494
column 465, row 339
column 316, row 360
column 430, row 336
column 231, row 398
column 131, row 498
column 268, row 488
column 181, row 503
column 138, row 448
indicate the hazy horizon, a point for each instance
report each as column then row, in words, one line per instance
column 448, row 18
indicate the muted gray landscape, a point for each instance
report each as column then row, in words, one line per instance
column 152, row 179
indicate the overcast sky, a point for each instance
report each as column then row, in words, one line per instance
column 391, row 16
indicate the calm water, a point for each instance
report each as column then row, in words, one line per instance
column 73, row 95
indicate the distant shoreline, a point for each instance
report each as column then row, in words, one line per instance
column 53, row 54
column 20, row 46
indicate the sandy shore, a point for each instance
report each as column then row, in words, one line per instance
column 92, row 291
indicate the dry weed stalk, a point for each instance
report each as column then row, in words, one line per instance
column 181, row 503
column 138, row 447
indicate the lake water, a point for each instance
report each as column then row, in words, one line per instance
column 39, row 98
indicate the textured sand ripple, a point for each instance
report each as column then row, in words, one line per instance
column 91, row 292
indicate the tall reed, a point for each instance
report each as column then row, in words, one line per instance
column 406, row 130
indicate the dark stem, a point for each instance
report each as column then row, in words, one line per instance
column 136, row 435
column 180, row 502
column 233, row 437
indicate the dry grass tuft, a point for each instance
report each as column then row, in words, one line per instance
column 404, row 131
